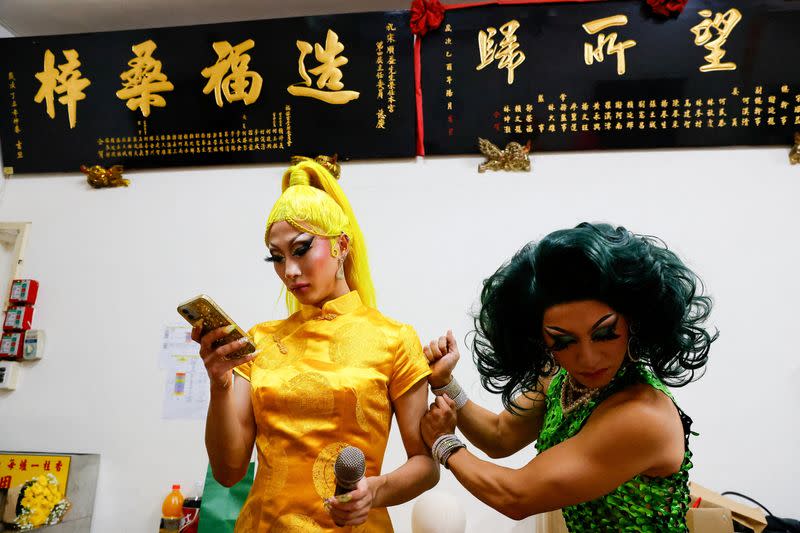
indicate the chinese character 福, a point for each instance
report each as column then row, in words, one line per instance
column 240, row 84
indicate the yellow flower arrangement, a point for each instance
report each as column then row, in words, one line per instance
column 42, row 503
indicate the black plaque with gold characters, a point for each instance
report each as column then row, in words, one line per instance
column 246, row 92
column 605, row 75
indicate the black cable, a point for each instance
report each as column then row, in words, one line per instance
column 748, row 498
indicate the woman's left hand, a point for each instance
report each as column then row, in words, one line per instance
column 440, row 419
column 352, row 508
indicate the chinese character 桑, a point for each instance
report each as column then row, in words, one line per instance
column 143, row 80
column 722, row 24
column 592, row 54
column 241, row 83
column 329, row 75
column 507, row 54
column 67, row 82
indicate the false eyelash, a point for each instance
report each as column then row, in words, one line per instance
column 302, row 250
column 272, row 259
column 610, row 336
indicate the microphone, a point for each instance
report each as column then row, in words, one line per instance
column 349, row 469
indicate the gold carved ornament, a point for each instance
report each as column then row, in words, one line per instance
column 100, row 177
column 794, row 153
column 514, row 157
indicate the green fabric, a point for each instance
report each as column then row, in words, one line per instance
column 643, row 503
column 220, row 505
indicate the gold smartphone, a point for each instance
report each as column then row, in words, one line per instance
column 204, row 311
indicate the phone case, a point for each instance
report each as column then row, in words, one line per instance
column 204, row 308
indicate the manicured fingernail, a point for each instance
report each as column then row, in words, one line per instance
column 229, row 328
column 344, row 498
column 243, row 340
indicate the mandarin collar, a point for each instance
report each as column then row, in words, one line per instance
column 344, row 304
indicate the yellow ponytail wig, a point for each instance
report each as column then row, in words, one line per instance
column 313, row 202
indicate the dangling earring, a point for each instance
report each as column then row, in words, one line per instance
column 340, row 271
column 633, row 344
column 631, row 349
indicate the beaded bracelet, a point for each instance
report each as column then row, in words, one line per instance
column 444, row 447
column 454, row 391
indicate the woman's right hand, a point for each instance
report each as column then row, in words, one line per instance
column 442, row 355
column 220, row 369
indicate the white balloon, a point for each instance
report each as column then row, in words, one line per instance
column 437, row 511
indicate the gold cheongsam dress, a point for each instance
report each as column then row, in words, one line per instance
column 326, row 379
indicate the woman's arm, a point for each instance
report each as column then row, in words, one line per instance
column 418, row 474
column 230, row 423
column 497, row 435
column 619, row 441
column 501, row 435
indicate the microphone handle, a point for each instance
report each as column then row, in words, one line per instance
column 344, row 489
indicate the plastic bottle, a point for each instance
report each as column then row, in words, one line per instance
column 172, row 511
column 191, row 509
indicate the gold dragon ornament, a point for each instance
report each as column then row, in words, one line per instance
column 794, row 153
column 100, row 177
column 513, row 158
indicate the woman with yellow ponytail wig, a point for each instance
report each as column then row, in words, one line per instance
column 327, row 377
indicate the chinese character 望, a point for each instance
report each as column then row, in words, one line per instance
column 722, row 25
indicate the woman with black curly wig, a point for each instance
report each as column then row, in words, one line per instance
column 581, row 334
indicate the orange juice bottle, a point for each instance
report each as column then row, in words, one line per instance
column 172, row 510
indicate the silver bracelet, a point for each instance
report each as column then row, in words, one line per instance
column 444, row 447
column 454, row 391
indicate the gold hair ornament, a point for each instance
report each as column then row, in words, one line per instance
column 330, row 162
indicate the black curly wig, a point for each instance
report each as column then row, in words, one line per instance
column 635, row 275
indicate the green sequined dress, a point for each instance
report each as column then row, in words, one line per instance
column 645, row 504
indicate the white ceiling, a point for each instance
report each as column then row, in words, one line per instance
column 25, row 18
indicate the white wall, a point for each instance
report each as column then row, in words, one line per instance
column 113, row 264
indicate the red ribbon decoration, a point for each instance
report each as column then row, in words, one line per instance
column 667, row 8
column 426, row 15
